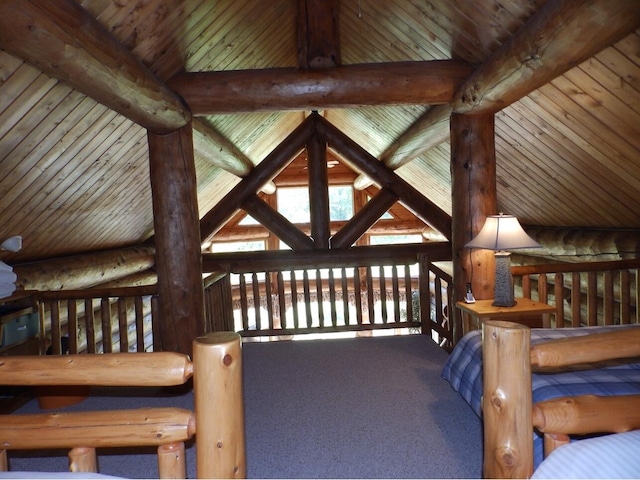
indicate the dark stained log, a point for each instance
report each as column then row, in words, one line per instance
column 318, row 181
column 84, row 271
column 264, row 172
column 63, row 40
column 429, row 131
column 276, row 89
column 383, row 226
column 473, row 191
column 364, row 162
column 362, row 220
column 242, row 262
column 277, row 224
column 561, row 35
column 219, row 150
column 177, row 239
column 318, row 34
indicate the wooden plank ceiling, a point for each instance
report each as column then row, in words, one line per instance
column 74, row 175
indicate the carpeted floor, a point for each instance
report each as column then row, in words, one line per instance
column 344, row 408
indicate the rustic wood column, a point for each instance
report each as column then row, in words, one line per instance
column 177, row 237
column 473, row 190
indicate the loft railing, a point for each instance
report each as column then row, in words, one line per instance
column 584, row 294
column 364, row 288
column 97, row 320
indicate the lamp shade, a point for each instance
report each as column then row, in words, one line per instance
column 502, row 232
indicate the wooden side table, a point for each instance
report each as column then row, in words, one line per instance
column 525, row 311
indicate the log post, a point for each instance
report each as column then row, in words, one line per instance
column 83, row 459
column 507, row 400
column 172, row 461
column 473, row 190
column 219, row 405
column 177, row 237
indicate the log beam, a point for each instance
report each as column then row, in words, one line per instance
column 318, row 181
column 277, row 89
column 429, row 131
column 264, row 172
column 178, row 257
column 563, row 34
column 365, row 163
column 64, row 41
column 84, row 271
column 318, row 34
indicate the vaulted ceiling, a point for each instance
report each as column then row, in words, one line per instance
column 74, row 174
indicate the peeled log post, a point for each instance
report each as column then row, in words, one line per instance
column 507, row 400
column 177, row 237
column 219, row 403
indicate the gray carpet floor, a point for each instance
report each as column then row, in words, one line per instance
column 344, row 408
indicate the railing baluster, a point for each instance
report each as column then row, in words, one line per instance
column 332, row 298
column 90, row 326
column 139, row 318
column 123, row 324
column 244, row 304
column 345, row 295
column 105, row 316
column 383, row 295
column 396, row 293
column 256, row 300
column 608, row 298
column 408, row 292
column 72, row 325
column 558, row 292
column 592, row 298
column 370, row 299
column 282, row 304
column 56, row 340
column 307, row 298
column 358, row 295
column 625, row 296
column 526, row 286
column 294, row 299
column 268, row 296
column 320, row 298
column 543, row 293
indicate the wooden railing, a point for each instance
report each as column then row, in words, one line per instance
column 97, row 320
column 584, row 294
column 290, row 293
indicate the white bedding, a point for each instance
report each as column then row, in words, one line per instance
column 609, row 456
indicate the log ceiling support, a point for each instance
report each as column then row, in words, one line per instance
column 318, row 191
column 318, row 34
column 473, row 188
column 364, row 162
column 44, row 32
column 177, row 239
column 361, row 221
column 277, row 89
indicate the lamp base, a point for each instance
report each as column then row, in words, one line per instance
column 503, row 293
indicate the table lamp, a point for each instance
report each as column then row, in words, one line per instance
column 500, row 233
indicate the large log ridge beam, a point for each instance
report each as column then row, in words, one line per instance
column 277, row 89
column 63, row 40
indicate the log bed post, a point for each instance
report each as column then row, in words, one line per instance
column 507, row 400
column 219, row 406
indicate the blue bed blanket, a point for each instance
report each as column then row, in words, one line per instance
column 463, row 370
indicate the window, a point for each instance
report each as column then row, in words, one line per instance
column 293, row 203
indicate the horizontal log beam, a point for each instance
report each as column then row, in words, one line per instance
column 242, row 262
column 563, row 34
column 276, row 89
column 64, row 41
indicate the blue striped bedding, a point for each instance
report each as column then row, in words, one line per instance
column 463, row 370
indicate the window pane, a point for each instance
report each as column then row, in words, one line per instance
column 293, row 204
column 237, row 246
column 340, row 203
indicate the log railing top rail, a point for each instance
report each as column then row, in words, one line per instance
column 575, row 267
column 246, row 262
column 89, row 293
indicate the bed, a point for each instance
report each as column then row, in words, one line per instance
column 216, row 373
column 530, row 415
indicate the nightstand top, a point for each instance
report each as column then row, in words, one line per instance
column 483, row 308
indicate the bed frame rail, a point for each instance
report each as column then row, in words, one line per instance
column 218, row 416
